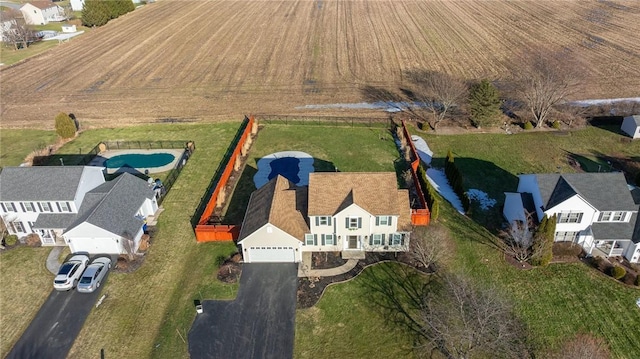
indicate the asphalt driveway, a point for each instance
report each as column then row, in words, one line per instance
column 56, row 326
column 259, row 323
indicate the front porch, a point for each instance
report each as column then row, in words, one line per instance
column 608, row 249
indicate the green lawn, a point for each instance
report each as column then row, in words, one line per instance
column 491, row 162
column 25, row 284
column 9, row 56
column 15, row 145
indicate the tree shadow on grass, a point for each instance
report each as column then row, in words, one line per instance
column 608, row 123
column 398, row 293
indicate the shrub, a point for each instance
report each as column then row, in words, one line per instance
column 618, row 272
column 33, row 240
column 484, row 101
column 11, row 240
column 528, row 125
column 638, row 179
column 556, row 124
column 435, row 210
column 637, row 280
column 65, row 126
column 567, row 249
column 220, row 259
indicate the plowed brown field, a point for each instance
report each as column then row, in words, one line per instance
column 210, row 60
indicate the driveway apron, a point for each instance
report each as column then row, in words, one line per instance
column 259, row 323
column 56, row 326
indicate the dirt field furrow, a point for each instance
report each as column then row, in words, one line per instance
column 206, row 60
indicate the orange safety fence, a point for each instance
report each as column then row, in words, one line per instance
column 216, row 232
column 419, row 216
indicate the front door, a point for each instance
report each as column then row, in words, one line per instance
column 353, row 242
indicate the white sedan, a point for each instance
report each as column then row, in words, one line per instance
column 70, row 272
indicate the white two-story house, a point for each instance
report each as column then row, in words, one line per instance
column 338, row 211
column 595, row 210
column 74, row 206
column 44, row 199
column 41, row 12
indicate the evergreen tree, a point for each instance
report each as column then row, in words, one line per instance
column 95, row 13
column 65, row 126
column 484, row 100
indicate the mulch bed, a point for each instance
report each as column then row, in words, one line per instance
column 231, row 269
column 124, row 265
column 514, row 262
column 310, row 289
column 326, row 260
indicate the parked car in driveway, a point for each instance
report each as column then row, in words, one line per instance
column 93, row 275
column 70, row 272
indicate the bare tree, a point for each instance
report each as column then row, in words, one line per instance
column 584, row 346
column 518, row 240
column 464, row 321
column 128, row 245
column 436, row 92
column 428, row 246
column 544, row 80
column 15, row 30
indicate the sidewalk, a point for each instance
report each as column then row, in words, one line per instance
column 304, row 268
column 52, row 260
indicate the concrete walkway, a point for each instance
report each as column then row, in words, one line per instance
column 304, row 268
column 53, row 264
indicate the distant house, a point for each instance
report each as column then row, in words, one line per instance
column 7, row 24
column 595, row 210
column 338, row 211
column 77, row 5
column 631, row 126
column 74, row 206
column 41, row 12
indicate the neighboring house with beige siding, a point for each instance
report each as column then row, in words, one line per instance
column 41, row 12
column 338, row 211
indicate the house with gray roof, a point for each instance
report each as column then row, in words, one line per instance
column 595, row 210
column 344, row 212
column 112, row 217
column 74, row 206
column 44, row 200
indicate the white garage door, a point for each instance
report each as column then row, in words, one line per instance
column 272, row 254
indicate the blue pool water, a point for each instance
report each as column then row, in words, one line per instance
column 287, row 167
column 137, row 160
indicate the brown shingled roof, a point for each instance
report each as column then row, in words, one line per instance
column 42, row 5
column 376, row 192
column 280, row 203
column 404, row 220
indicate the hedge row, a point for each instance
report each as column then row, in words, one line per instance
column 455, row 179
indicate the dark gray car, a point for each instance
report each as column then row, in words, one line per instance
column 93, row 275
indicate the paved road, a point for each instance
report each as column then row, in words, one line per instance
column 54, row 329
column 259, row 323
column 10, row 4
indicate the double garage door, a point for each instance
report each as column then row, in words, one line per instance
column 272, row 254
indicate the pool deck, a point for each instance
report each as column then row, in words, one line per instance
column 99, row 160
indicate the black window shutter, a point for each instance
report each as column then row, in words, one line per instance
column 377, row 221
column 22, row 206
column 389, row 219
column 317, row 221
column 359, row 222
column 315, row 239
column 69, row 206
column 371, row 240
column 383, row 239
column 40, row 206
column 402, row 240
column 322, row 239
column 580, row 217
column 346, row 222
column 58, row 205
column 4, row 209
column 329, row 220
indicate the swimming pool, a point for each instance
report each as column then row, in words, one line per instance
column 293, row 165
column 139, row 160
